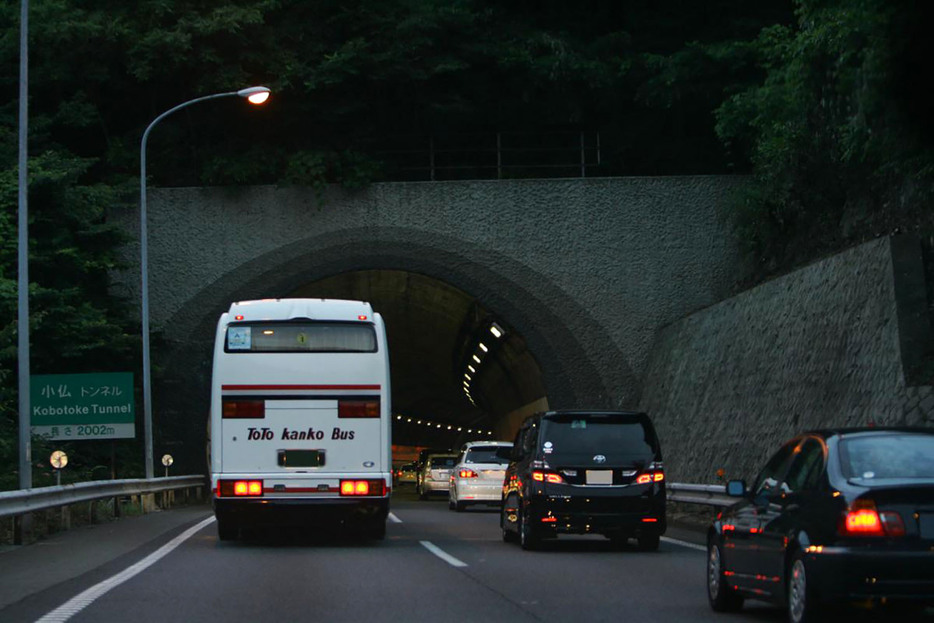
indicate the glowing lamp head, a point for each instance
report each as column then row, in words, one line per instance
column 255, row 95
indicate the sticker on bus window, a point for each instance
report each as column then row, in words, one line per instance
column 239, row 338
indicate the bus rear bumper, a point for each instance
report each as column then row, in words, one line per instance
column 301, row 512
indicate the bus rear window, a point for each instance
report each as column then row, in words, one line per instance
column 301, row 337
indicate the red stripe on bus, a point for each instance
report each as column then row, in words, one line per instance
column 286, row 387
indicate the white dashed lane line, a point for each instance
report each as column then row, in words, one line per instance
column 443, row 555
column 693, row 546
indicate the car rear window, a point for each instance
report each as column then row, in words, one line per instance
column 617, row 436
column 880, row 457
column 443, row 461
column 486, row 454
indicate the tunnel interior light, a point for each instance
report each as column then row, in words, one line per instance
column 467, row 376
column 398, row 417
column 472, row 369
column 269, row 332
column 483, row 347
column 408, row 420
column 496, row 330
column 477, row 359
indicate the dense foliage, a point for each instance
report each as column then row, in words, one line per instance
column 840, row 131
column 824, row 101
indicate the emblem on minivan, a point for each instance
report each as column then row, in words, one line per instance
column 599, row 459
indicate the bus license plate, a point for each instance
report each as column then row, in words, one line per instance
column 300, row 458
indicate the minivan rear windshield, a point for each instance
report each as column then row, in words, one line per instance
column 617, row 435
column 301, row 337
column 880, row 457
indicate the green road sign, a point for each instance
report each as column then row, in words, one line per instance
column 83, row 406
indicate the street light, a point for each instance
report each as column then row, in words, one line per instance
column 254, row 95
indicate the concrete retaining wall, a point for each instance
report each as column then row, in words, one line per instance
column 827, row 345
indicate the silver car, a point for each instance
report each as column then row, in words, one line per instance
column 478, row 474
column 436, row 475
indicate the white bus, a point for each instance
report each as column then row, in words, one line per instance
column 300, row 416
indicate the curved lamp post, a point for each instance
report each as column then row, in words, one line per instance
column 255, row 95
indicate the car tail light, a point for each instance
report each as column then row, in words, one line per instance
column 549, row 519
column 358, row 408
column 645, row 479
column 551, row 477
column 362, row 487
column 467, row 473
column 862, row 519
column 239, row 488
column 254, row 409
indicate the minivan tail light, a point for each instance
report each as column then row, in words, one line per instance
column 243, row 409
column 540, row 476
column 645, row 479
column 358, row 409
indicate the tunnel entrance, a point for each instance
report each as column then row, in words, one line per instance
column 459, row 371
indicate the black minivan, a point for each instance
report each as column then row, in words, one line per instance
column 580, row 472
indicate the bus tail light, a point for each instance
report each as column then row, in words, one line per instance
column 239, row 488
column 253, row 409
column 363, row 487
column 358, row 409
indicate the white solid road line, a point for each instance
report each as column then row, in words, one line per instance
column 443, row 555
column 699, row 548
column 80, row 602
column 394, row 519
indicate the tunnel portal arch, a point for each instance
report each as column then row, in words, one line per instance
column 579, row 364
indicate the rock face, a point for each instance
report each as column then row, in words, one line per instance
column 831, row 344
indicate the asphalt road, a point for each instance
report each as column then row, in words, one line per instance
column 435, row 565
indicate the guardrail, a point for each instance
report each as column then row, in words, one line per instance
column 711, row 495
column 25, row 501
